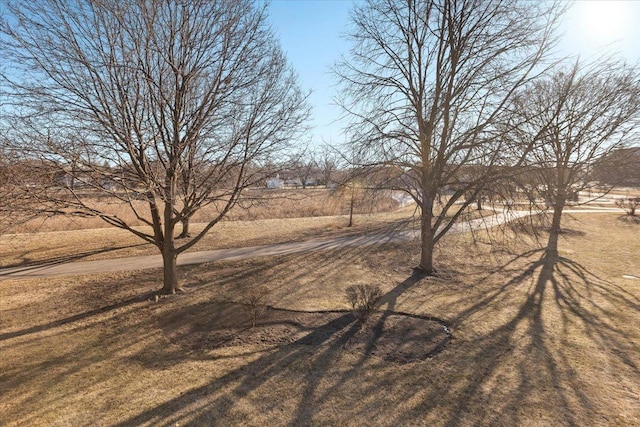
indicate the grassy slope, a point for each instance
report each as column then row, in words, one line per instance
column 534, row 344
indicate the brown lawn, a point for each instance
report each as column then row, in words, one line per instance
column 534, row 341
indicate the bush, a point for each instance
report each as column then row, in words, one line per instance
column 255, row 301
column 630, row 205
column 364, row 300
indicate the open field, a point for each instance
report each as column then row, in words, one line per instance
column 535, row 341
column 281, row 216
column 256, row 204
column 100, row 243
column 27, row 249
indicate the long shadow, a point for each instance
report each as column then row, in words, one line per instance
column 548, row 282
column 543, row 367
column 547, row 368
column 278, row 270
column 262, row 268
column 496, row 346
column 378, row 234
column 307, row 401
column 74, row 318
column 67, row 347
column 327, row 346
column 244, row 379
column 325, row 351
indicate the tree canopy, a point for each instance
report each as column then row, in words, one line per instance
column 171, row 103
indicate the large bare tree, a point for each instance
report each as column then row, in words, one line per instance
column 573, row 119
column 423, row 85
column 164, row 106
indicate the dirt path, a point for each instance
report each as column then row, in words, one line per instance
column 155, row 261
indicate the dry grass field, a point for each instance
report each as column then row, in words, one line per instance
column 274, row 217
column 99, row 243
column 534, row 341
column 286, row 217
column 256, row 204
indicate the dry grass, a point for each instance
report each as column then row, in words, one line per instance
column 536, row 342
column 626, row 191
column 80, row 243
column 102, row 243
column 256, row 204
column 271, row 216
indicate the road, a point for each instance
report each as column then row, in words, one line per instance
column 155, row 261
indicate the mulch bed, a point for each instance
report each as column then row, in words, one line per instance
column 394, row 337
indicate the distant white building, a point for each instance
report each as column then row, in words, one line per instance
column 275, row 183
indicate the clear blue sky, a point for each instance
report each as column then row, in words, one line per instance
column 310, row 31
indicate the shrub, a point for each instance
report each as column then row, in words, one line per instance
column 630, row 205
column 255, row 301
column 364, row 300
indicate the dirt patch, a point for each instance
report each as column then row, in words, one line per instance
column 393, row 337
column 400, row 338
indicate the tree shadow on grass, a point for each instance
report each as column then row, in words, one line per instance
column 517, row 359
column 524, row 362
column 74, row 318
column 309, row 359
column 41, row 360
column 557, row 318
column 66, row 363
column 265, row 270
column 629, row 220
column 527, row 356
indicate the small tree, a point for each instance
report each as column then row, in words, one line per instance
column 327, row 161
column 305, row 168
column 255, row 300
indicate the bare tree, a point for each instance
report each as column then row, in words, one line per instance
column 573, row 119
column 424, row 83
column 304, row 167
column 175, row 104
column 327, row 161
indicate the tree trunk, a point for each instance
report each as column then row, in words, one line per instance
column 351, row 204
column 478, row 203
column 554, row 232
column 169, row 260
column 185, row 228
column 169, row 255
column 426, row 240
